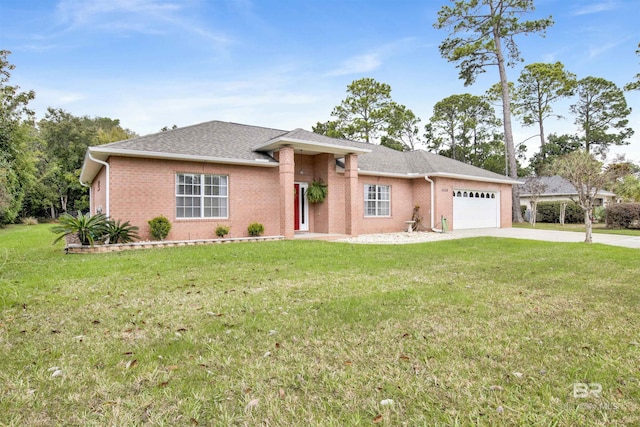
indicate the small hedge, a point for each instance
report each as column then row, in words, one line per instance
column 623, row 215
column 160, row 227
column 255, row 229
column 222, row 230
column 550, row 212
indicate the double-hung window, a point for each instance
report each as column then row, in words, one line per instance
column 377, row 200
column 202, row 196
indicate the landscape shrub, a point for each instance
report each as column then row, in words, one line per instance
column 255, row 229
column 222, row 230
column 623, row 215
column 121, row 232
column 550, row 212
column 160, row 227
column 89, row 229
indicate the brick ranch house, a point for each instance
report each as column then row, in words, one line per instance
column 220, row 173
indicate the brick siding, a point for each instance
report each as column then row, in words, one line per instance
column 141, row 189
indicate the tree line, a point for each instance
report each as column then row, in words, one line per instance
column 465, row 127
column 40, row 160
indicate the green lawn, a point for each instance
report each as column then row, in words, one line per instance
column 301, row 333
column 597, row 228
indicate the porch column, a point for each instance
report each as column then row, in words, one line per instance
column 352, row 199
column 286, row 192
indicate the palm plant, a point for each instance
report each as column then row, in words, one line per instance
column 88, row 228
column 118, row 232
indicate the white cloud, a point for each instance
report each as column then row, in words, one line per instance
column 595, row 52
column 358, row 64
column 59, row 98
column 371, row 61
column 603, row 6
column 78, row 13
column 133, row 16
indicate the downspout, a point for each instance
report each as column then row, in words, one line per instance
column 106, row 165
column 431, row 209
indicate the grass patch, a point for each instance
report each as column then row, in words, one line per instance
column 479, row 331
column 597, row 228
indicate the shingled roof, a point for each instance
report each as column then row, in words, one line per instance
column 554, row 186
column 227, row 142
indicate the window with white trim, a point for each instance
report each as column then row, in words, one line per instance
column 202, row 196
column 377, row 200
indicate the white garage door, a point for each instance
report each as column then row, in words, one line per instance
column 476, row 209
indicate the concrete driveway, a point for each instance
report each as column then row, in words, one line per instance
column 552, row 236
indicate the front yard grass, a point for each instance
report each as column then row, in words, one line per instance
column 479, row 331
column 597, row 228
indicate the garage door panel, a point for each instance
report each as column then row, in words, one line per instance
column 475, row 212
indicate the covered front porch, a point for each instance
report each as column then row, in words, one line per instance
column 300, row 163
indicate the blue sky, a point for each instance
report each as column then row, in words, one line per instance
column 282, row 64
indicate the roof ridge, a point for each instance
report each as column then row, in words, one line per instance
column 168, row 132
column 244, row 124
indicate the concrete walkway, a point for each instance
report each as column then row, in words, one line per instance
column 551, row 236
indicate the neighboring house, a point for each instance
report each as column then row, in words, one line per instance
column 220, row 173
column 557, row 189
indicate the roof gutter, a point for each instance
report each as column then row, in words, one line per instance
column 505, row 180
column 431, row 209
column 106, row 165
column 413, row 175
column 389, row 174
column 187, row 157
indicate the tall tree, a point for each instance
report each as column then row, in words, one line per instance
column 329, row 128
column 16, row 120
column 402, row 126
column 635, row 85
column 463, row 127
column 539, row 86
column 368, row 114
column 600, row 109
column 363, row 114
column 443, row 126
column 556, row 146
column 587, row 175
column 482, row 35
column 66, row 138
